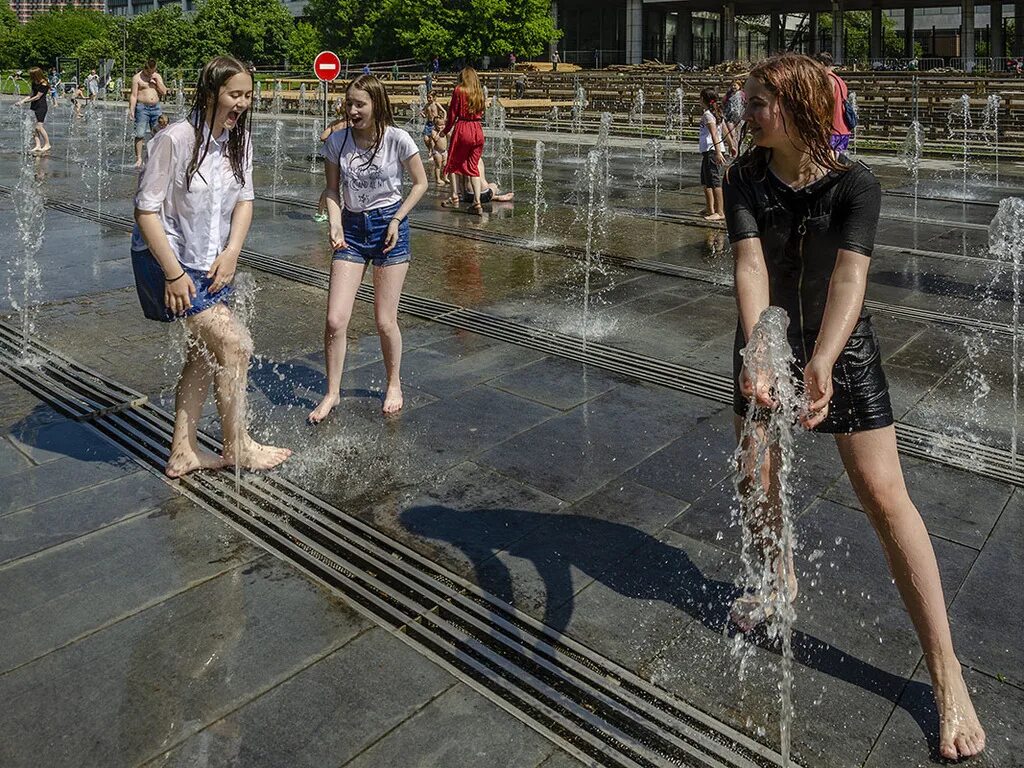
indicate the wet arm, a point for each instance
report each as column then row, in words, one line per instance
column 161, row 88
column 842, row 307
column 156, row 239
column 331, row 177
column 414, row 167
column 134, row 97
column 751, row 278
column 241, row 219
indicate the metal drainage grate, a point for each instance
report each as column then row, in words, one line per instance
column 589, row 705
column 979, row 458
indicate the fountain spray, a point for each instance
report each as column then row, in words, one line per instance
column 959, row 117
column 539, row 205
column 990, row 126
column 30, row 224
column 1006, row 243
column 768, row 539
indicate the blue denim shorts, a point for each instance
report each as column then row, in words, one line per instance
column 149, row 282
column 365, row 232
column 146, row 116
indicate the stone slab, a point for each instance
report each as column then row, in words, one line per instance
column 37, row 484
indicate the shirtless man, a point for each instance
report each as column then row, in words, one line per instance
column 144, row 104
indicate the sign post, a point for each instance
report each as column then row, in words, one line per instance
column 327, row 67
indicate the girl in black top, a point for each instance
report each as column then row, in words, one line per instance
column 802, row 223
column 37, row 99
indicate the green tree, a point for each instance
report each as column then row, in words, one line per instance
column 348, row 27
column 252, row 30
column 303, row 45
column 166, row 34
column 91, row 52
column 59, row 32
column 15, row 50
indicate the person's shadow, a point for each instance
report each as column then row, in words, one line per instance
column 655, row 572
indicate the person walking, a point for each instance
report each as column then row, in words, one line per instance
column 465, row 111
column 840, row 139
column 193, row 209
column 802, row 220
column 92, row 84
column 709, row 143
column 39, row 106
column 144, row 104
column 363, row 166
column 555, row 60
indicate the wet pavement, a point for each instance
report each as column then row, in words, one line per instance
column 595, row 501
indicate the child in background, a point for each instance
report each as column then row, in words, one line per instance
column 712, row 159
column 161, row 123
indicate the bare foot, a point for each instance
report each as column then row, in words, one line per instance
column 393, row 400
column 255, row 456
column 714, row 217
column 749, row 610
column 47, row 148
column 138, row 164
column 184, row 461
column 319, row 413
column 960, row 731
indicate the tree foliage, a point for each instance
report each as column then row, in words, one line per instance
column 251, row 30
column 303, row 45
column 60, row 31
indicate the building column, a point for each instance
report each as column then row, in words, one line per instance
column 812, row 33
column 728, row 18
column 684, row 37
column 634, row 31
column 875, row 37
column 908, row 33
column 553, row 44
column 1018, row 28
column 837, row 32
column 773, row 34
column 997, row 45
column 967, row 34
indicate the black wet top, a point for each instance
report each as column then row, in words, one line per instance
column 39, row 88
column 839, row 210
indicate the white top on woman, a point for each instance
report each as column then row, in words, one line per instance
column 197, row 220
column 705, row 141
column 365, row 185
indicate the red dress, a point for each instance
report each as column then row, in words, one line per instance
column 467, row 141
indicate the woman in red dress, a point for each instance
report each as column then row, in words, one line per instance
column 465, row 111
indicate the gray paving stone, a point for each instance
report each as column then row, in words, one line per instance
column 457, row 428
column 847, row 597
column 78, row 587
column 35, row 485
column 558, row 383
column 956, row 505
column 910, row 738
column 459, row 729
column 640, row 604
column 12, row 460
column 326, row 714
column 691, row 465
column 560, row 759
column 576, row 453
column 541, row 572
column 469, row 515
column 458, row 363
column 78, row 513
column 133, row 689
column 990, row 603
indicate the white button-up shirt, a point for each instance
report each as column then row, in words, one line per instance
column 197, row 220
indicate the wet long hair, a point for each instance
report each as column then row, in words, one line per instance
column 382, row 115
column 37, row 76
column 212, row 77
column 709, row 98
column 469, row 82
column 803, row 88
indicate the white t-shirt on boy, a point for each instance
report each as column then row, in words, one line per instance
column 365, row 186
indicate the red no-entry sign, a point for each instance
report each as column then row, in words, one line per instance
column 327, row 65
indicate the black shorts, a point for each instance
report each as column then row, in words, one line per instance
column 860, row 393
column 40, row 112
column 710, row 171
column 485, row 196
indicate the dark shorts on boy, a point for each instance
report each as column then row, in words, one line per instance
column 150, row 281
column 365, row 234
column 710, row 171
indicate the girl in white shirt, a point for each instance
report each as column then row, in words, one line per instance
column 363, row 166
column 193, row 209
column 712, row 158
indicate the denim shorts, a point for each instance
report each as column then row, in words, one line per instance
column 146, row 116
column 149, row 282
column 365, row 233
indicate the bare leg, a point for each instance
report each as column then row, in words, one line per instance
column 193, row 384
column 45, row 137
column 476, row 185
column 709, row 202
column 345, row 279
column 719, row 203
column 138, row 152
column 766, row 527
column 231, row 346
column 873, row 465
column 387, row 286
